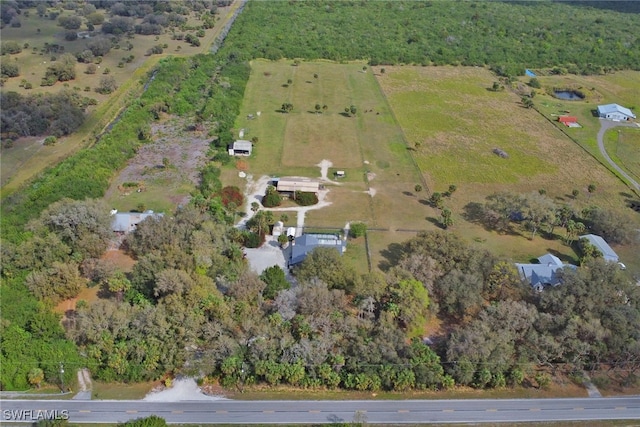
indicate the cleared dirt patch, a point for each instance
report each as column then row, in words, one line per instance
column 163, row 171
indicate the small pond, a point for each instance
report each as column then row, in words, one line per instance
column 568, row 95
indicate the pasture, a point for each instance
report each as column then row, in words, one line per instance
column 623, row 146
column 442, row 119
column 368, row 146
column 621, row 87
column 456, row 122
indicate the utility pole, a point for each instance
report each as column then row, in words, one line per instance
column 62, row 377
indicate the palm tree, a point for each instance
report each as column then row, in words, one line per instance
column 591, row 189
column 318, row 107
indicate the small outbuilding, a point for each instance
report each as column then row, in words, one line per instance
column 615, row 112
column 241, row 147
column 567, row 119
column 600, row 244
column 291, row 184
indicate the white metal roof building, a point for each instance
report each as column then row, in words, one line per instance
column 607, row 253
column 241, row 148
column 615, row 112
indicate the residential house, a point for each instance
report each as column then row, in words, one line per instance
column 600, row 244
column 615, row 112
column 126, row 222
column 545, row 273
column 303, row 245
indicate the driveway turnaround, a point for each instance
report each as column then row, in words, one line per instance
column 325, row 412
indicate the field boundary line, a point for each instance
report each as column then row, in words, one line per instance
column 404, row 136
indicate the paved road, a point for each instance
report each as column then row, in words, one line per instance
column 322, row 412
column 605, row 125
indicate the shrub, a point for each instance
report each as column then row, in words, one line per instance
column 251, row 239
column 230, row 195
column 8, row 69
column 358, row 229
column 10, row 47
column 305, row 199
column 222, row 157
column 50, row 140
column 271, row 200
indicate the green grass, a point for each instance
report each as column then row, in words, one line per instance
column 454, row 123
column 118, row 391
column 623, row 146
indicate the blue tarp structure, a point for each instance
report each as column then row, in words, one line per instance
column 529, row 73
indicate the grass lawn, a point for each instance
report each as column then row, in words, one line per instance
column 622, row 88
column 453, row 122
column 623, row 146
column 118, row 391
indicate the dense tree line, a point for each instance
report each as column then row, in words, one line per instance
column 537, row 213
column 50, row 245
column 42, row 114
column 508, row 36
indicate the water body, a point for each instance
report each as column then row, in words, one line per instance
column 567, row 95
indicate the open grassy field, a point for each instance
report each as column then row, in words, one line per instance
column 622, row 87
column 28, row 156
column 456, row 122
column 442, row 119
column 623, row 145
column 368, row 146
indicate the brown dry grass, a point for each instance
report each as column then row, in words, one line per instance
column 87, row 294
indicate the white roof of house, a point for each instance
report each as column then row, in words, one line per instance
column 615, row 108
column 242, row 145
column 607, row 253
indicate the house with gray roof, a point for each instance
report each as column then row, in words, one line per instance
column 126, row 222
column 545, row 273
column 615, row 112
column 600, row 244
column 301, row 246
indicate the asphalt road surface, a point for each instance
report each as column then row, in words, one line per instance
column 320, row 412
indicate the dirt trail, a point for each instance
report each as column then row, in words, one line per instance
column 84, row 379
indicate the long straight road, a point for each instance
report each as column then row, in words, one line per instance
column 322, row 412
